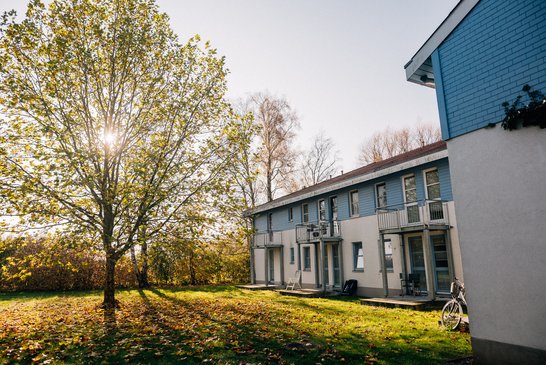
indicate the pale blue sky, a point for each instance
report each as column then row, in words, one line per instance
column 338, row 62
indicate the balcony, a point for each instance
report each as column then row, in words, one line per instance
column 313, row 232
column 267, row 239
column 413, row 216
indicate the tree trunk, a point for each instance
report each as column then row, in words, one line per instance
column 110, row 284
column 143, row 282
column 193, row 281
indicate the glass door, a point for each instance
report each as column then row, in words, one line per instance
column 441, row 263
column 417, row 259
column 335, row 257
column 271, row 258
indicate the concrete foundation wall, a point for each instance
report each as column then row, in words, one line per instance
column 499, row 184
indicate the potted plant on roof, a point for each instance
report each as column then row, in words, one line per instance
column 534, row 113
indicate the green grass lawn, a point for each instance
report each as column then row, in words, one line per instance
column 217, row 325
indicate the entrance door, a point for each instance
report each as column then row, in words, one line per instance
column 441, row 263
column 417, row 259
column 335, row 257
column 271, row 258
column 326, row 271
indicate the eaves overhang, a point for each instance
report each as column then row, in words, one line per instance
column 350, row 182
column 419, row 67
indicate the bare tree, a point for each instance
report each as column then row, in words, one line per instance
column 276, row 158
column 388, row 143
column 426, row 134
column 320, row 161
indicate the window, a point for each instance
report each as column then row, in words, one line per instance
column 410, row 197
column 353, row 201
column 410, row 189
column 270, row 226
column 305, row 213
column 292, row 255
column 358, row 257
column 307, row 258
column 388, row 256
column 322, row 210
column 432, row 184
column 290, row 214
column 381, row 195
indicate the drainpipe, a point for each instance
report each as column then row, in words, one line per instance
column 341, row 268
column 383, row 265
column 428, row 265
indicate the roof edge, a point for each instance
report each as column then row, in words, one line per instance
column 421, row 160
column 459, row 12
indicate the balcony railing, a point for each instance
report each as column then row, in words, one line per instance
column 262, row 239
column 307, row 232
column 413, row 214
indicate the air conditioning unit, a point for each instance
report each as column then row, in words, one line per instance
column 316, row 233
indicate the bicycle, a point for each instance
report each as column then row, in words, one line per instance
column 452, row 313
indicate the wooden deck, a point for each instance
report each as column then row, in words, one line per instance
column 259, row 287
column 308, row 293
column 413, row 303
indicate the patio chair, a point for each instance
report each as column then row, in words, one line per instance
column 415, row 281
column 294, row 281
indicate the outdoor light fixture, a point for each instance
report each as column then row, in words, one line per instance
column 427, row 80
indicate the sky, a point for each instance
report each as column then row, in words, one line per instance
column 339, row 63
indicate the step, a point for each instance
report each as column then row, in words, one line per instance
column 393, row 303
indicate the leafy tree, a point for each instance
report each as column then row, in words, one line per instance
column 112, row 125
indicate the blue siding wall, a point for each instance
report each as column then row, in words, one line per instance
column 495, row 50
column 366, row 195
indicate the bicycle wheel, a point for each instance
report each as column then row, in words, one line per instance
column 452, row 314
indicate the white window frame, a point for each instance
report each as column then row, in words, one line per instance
column 385, row 241
column 305, row 216
column 427, row 185
column 352, row 211
column 356, row 256
column 291, row 214
column 306, row 253
column 377, row 207
column 319, row 211
column 411, row 204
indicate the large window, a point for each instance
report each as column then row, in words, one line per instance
column 381, row 195
column 358, row 257
column 432, row 184
column 410, row 197
column 388, row 255
column 322, row 210
column 305, row 213
column 307, row 258
column 353, row 201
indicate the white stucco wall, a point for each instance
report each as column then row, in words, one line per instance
column 499, row 186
